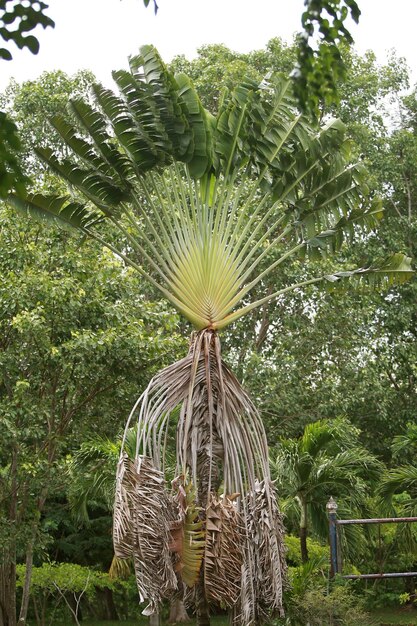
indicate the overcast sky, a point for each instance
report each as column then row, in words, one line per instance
column 101, row 34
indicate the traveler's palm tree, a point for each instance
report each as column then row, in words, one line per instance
column 206, row 208
column 327, row 460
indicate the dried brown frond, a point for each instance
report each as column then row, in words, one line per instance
column 220, row 438
column 264, row 566
column 142, row 515
column 223, row 554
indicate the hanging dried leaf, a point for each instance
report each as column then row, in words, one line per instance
column 223, row 554
column 264, row 565
column 220, row 438
column 141, row 528
column 120, row 569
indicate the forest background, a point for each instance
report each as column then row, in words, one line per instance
column 81, row 336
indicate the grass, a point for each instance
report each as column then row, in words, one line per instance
column 216, row 620
column 388, row 617
column 382, row 617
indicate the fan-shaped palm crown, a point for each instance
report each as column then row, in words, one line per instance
column 201, row 200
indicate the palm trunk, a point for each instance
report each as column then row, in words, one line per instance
column 202, row 607
column 303, row 530
column 178, row 613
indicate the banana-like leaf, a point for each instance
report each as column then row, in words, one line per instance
column 393, row 270
column 166, row 117
column 60, row 210
column 187, row 533
column 202, row 200
column 198, row 119
column 95, row 125
column 99, row 189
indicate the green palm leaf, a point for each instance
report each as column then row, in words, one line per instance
column 187, row 534
column 57, row 209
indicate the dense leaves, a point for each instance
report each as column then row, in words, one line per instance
column 320, row 68
column 19, row 18
column 16, row 20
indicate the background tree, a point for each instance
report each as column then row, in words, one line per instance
column 327, row 460
column 75, row 344
column 16, row 20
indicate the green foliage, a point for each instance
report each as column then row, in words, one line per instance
column 66, row 577
column 19, row 18
column 319, row 69
column 217, row 67
column 16, row 19
column 327, row 460
column 32, row 104
column 311, row 599
column 317, row 607
column 77, row 344
column 11, row 173
column 318, row 552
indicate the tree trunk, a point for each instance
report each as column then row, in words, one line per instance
column 303, row 531
column 28, row 576
column 303, row 544
column 154, row 620
column 178, row 613
column 108, row 608
column 7, row 591
column 8, row 554
column 74, row 606
column 201, row 605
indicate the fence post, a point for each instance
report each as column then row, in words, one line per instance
column 331, row 508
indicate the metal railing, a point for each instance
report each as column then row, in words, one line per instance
column 335, row 552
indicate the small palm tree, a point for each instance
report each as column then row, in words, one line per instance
column 402, row 478
column 401, row 481
column 326, row 460
column 205, row 208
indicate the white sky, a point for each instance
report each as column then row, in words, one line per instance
column 101, row 34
